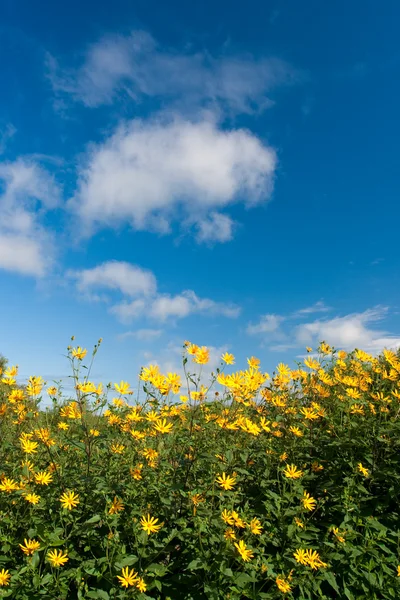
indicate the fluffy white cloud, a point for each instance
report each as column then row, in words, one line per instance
column 134, row 67
column 27, row 191
column 267, row 324
column 140, row 296
column 129, row 279
column 351, row 331
column 150, row 173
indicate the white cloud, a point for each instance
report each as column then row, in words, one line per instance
column 319, row 306
column 151, row 173
column 27, row 192
column 216, row 227
column 142, row 334
column 140, row 295
column 129, row 279
column 268, row 323
column 134, row 67
column 349, row 332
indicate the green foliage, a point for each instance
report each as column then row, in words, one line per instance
column 164, row 456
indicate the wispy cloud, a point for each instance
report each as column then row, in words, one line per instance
column 135, row 66
column 140, row 297
column 348, row 331
column 141, row 334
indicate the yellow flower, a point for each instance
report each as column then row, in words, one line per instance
column 311, row 363
column 255, row 526
column 43, row 478
column 123, row 388
column 8, row 485
column 296, row 431
column 116, row 506
column 69, row 500
column 32, row 498
column 129, row 577
column 244, row 552
column 162, row 426
column 63, row 426
column 79, row 353
column 229, row 359
column 227, row 517
column 52, row 391
column 229, row 534
column 313, row 559
column 253, row 362
column 4, row 577
column 309, row 413
column 226, row 481
column 299, row 523
column 338, row 535
column 137, row 472
column 140, row 584
column 191, row 349
column 35, row 385
column 57, row 558
column 398, row 571
column 283, row 584
column 94, row 432
column 301, row 556
column 292, row 472
column 362, row 469
column 29, row 546
column 202, row 356
column 150, row 524
column 117, row 448
column 308, row 501
column 28, row 446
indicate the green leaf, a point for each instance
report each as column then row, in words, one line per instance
column 330, row 578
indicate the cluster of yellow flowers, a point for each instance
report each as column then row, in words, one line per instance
column 248, row 406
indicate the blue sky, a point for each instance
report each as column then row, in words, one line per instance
column 218, row 172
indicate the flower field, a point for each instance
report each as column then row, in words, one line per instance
column 175, row 486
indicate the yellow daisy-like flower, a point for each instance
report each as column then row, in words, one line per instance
column 226, row 481
column 228, row 359
column 255, row 526
column 123, row 388
column 4, row 577
column 57, row 558
column 229, row 534
column 117, row 448
column 116, row 506
column 308, row 501
column 79, row 353
column 29, row 546
column 150, row 524
column 301, row 556
column 32, row 498
column 292, row 472
column 362, row 469
column 202, row 356
column 69, row 500
column 244, row 552
column 128, row 578
column 8, row 485
column 43, row 478
column 28, row 446
column 283, row 584
column 162, row 426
